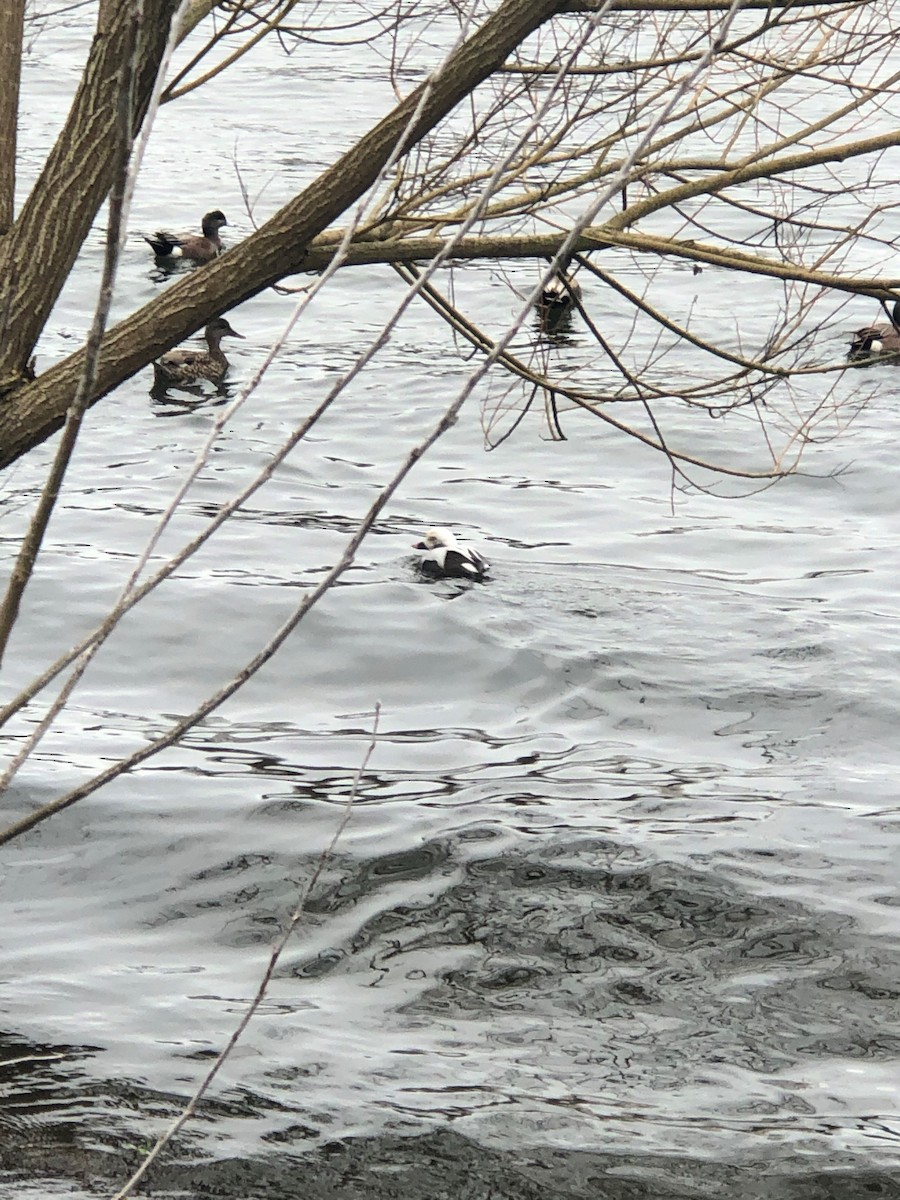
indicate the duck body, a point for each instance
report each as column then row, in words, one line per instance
column 192, row 246
column 191, row 366
column 557, row 300
column 877, row 340
column 446, row 558
column 560, row 294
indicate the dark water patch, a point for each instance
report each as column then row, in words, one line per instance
column 724, row 978
column 438, row 1166
column 35, row 1079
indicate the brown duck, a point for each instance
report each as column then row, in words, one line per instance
column 876, row 341
column 190, row 366
column 193, row 246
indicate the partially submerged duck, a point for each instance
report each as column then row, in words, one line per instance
column 560, row 294
column 193, row 246
column 445, row 557
column 878, row 340
column 190, row 366
column 557, row 300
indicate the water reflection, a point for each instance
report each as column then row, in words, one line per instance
column 168, row 405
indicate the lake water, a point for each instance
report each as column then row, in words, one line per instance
column 616, row 911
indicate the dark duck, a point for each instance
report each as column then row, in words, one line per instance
column 877, row 341
column 193, row 246
column 180, row 367
column 444, row 557
column 560, row 295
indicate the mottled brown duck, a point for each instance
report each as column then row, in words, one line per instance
column 179, row 367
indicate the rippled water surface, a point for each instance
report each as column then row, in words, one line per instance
column 616, row 910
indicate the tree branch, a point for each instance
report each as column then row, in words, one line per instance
column 12, row 24
column 31, row 543
column 598, row 237
column 764, row 165
column 36, row 257
column 32, row 412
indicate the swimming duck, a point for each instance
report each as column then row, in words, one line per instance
column 446, row 557
column 192, row 246
column 561, row 293
column 557, row 300
column 189, row 366
column 877, row 340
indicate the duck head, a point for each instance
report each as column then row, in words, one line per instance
column 434, row 539
column 220, row 328
column 213, row 222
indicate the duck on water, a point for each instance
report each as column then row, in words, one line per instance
column 560, row 295
column 558, row 298
column 193, row 246
column 446, row 558
column 877, row 341
column 180, row 367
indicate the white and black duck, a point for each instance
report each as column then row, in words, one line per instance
column 180, row 367
column 559, row 297
column 193, row 246
column 444, row 557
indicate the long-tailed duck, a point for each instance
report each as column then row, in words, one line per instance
column 560, row 296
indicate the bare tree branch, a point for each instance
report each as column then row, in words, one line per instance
column 12, row 25
column 31, row 413
column 38, row 253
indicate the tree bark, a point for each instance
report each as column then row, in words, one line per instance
column 37, row 255
column 33, row 411
column 198, row 11
column 12, row 25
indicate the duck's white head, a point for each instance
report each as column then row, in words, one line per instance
column 435, row 539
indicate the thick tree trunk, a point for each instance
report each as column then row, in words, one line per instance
column 12, row 24
column 36, row 257
column 33, row 411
